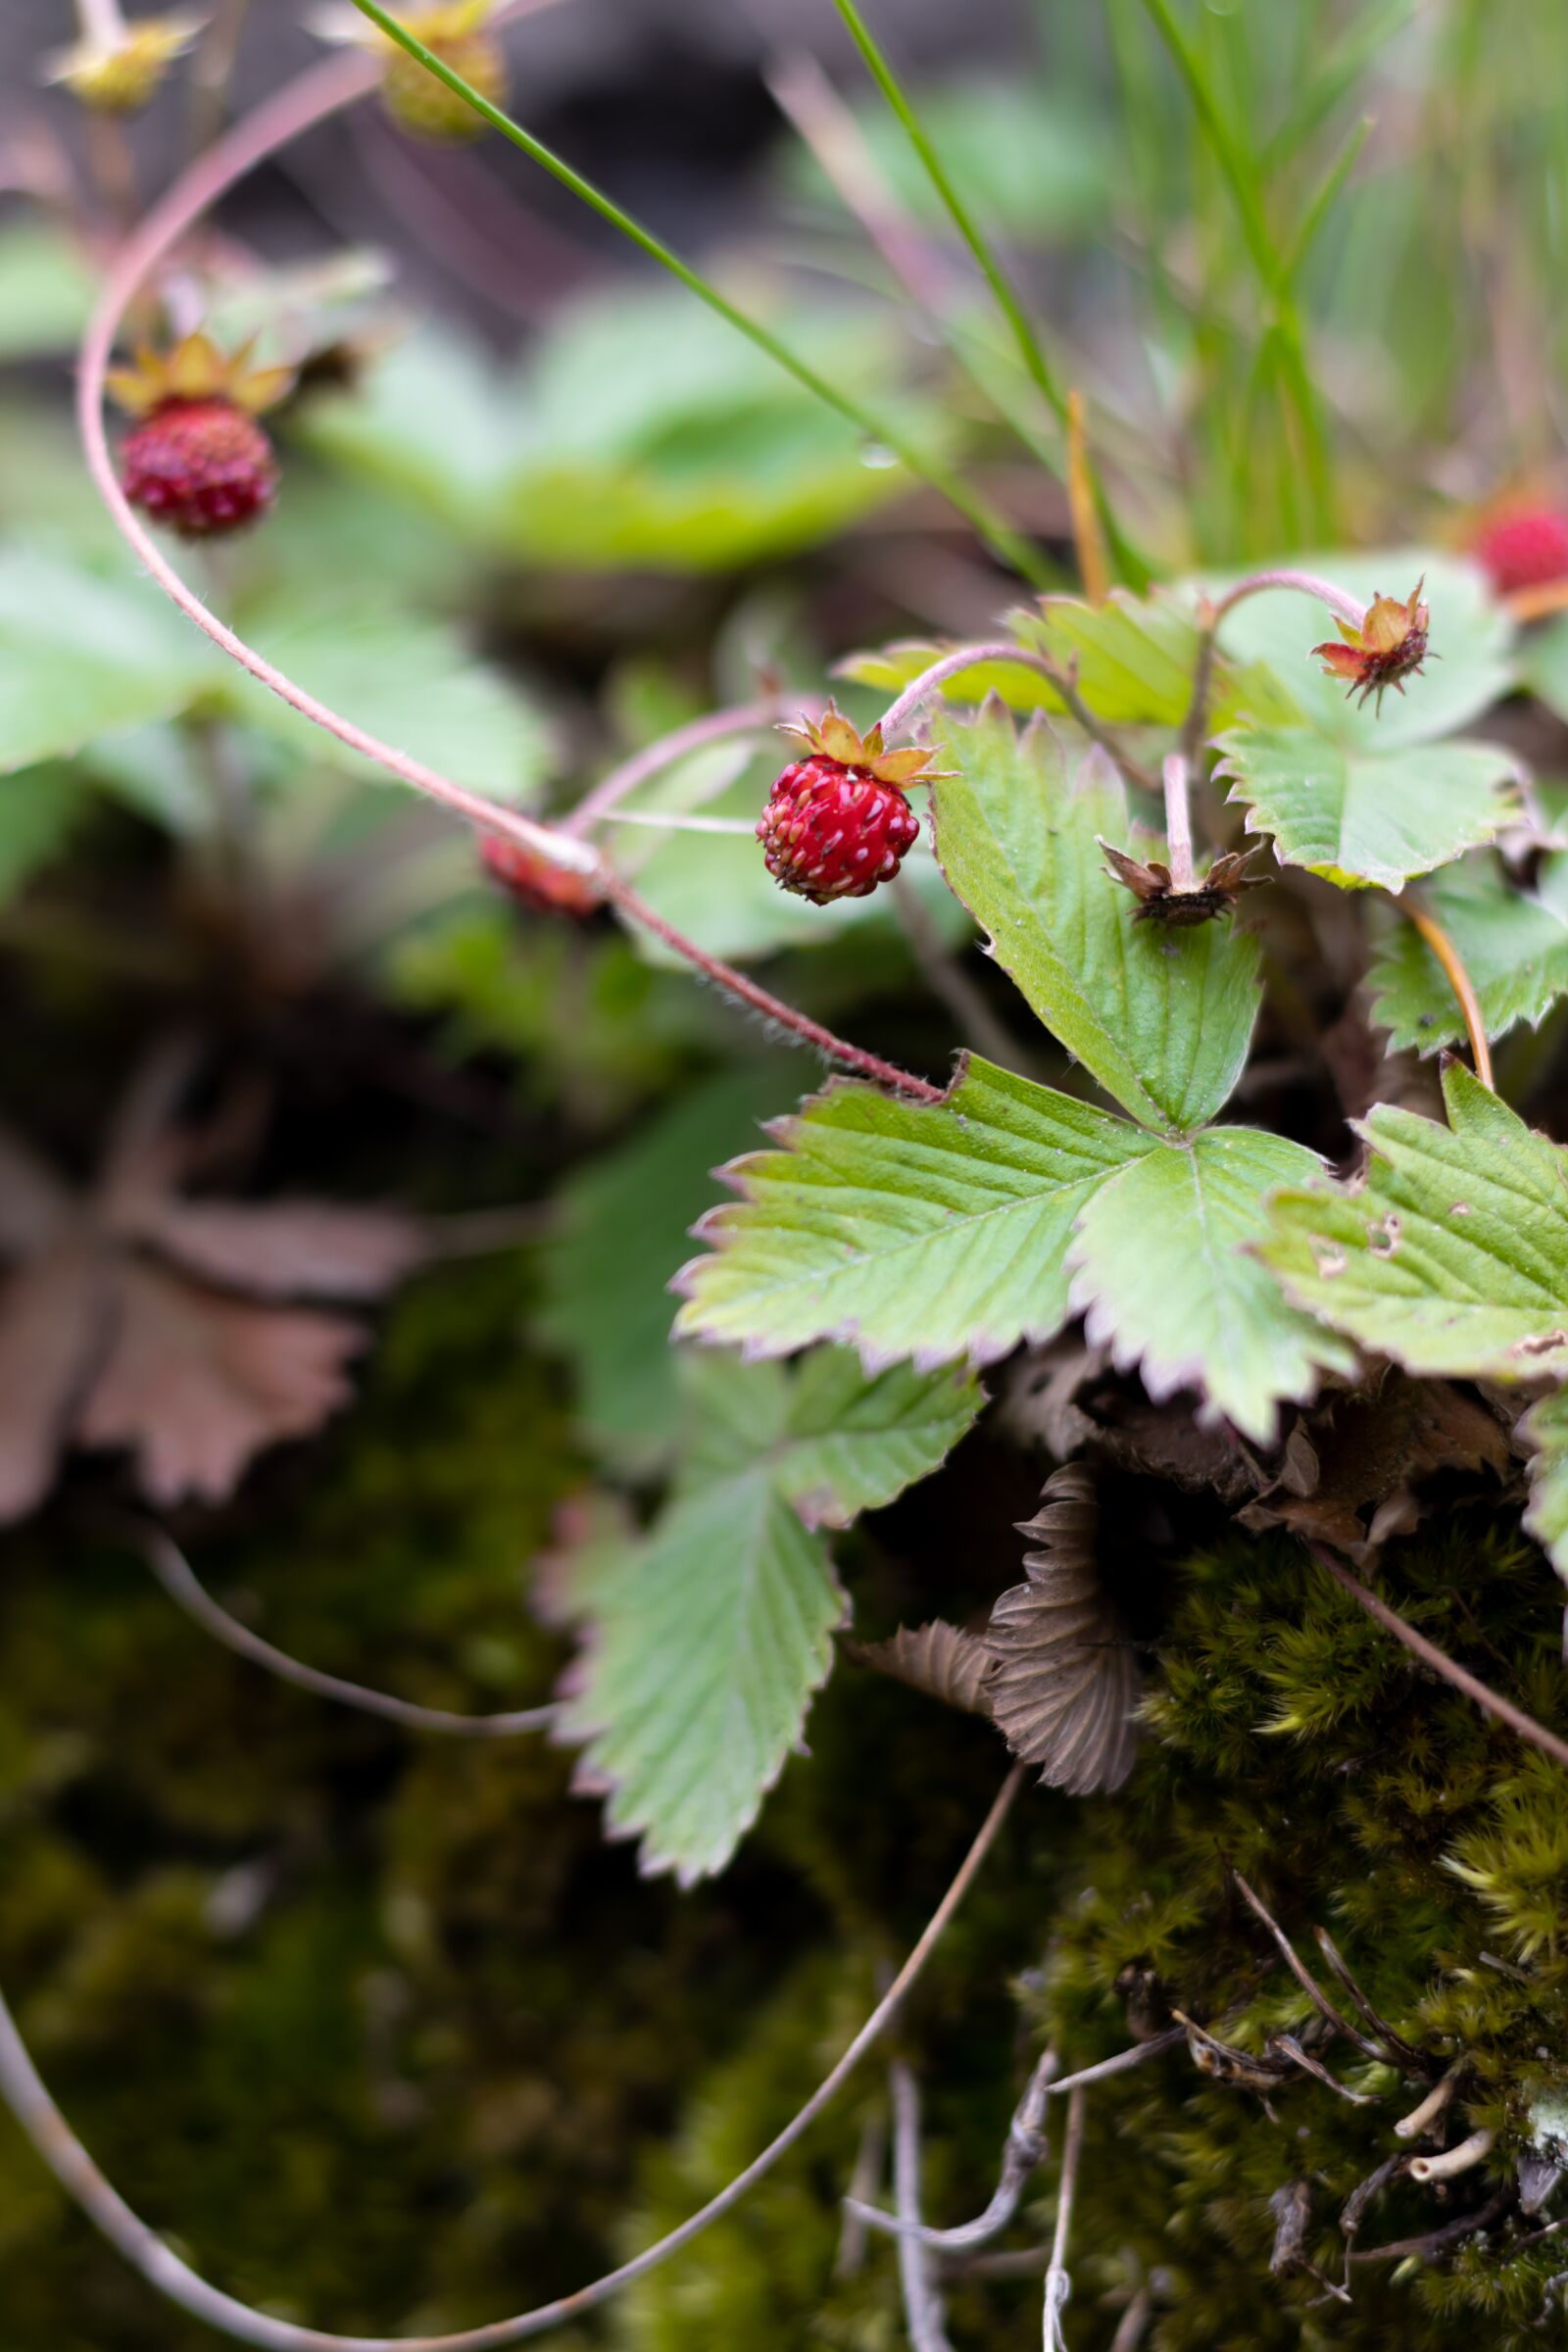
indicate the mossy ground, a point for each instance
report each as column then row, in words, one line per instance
column 385, row 2037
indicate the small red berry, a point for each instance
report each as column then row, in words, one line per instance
column 1527, row 548
column 834, row 832
column 535, row 882
column 837, row 823
column 203, row 466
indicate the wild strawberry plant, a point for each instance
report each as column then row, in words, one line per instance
column 1139, row 799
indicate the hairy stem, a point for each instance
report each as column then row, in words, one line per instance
column 304, row 103
column 1176, row 779
column 178, row 1580
column 1338, row 601
column 992, row 528
column 52, row 2138
column 772, row 1008
column 1458, row 979
column 1492, row 1702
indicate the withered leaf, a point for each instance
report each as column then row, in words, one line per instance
column 53, row 1316
column 118, row 1326
column 1353, row 1468
column 195, row 1384
column 938, row 1658
column 1063, row 1682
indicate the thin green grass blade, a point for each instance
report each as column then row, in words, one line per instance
column 992, row 528
column 1132, row 566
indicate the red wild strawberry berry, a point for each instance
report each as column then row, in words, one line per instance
column 1525, row 548
column 837, row 823
column 833, row 832
column 534, row 882
column 203, row 466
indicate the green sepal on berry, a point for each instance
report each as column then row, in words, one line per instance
column 832, row 737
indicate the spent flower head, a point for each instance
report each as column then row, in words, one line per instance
column 1160, row 902
column 1388, row 647
column 117, row 73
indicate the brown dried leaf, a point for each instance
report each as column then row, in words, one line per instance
column 1351, row 1469
column 938, row 1658
column 33, row 1205
column 197, row 1384
column 287, row 1249
column 1063, row 1683
column 52, row 1321
column 106, row 1339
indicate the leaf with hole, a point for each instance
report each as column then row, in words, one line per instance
column 1452, row 1255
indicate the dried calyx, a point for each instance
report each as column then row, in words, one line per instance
column 1388, row 647
column 1160, row 901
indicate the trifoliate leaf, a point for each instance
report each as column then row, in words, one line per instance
column 1361, row 816
column 929, row 1232
column 606, row 1274
column 916, row 1231
column 1064, row 1683
column 1164, row 1269
column 1161, row 1018
column 938, row 1658
column 1453, row 1257
column 1513, row 943
column 1470, row 633
column 706, row 1642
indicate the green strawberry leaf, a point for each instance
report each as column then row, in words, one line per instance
column 707, row 1640
column 1133, row 659
column 1163, row 1019
column 83, row 654
column 1453, row 1257
column 1162, row 1264
column 929, row 1232
column 409, row 681
column 1360, row 816
column 1471, row 667
column 1513, row 943
column 606, row 1273
column 918, row 1230
column 1545, row 1425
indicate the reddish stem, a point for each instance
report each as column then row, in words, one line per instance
column 810, row 1032
column 308, row 101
